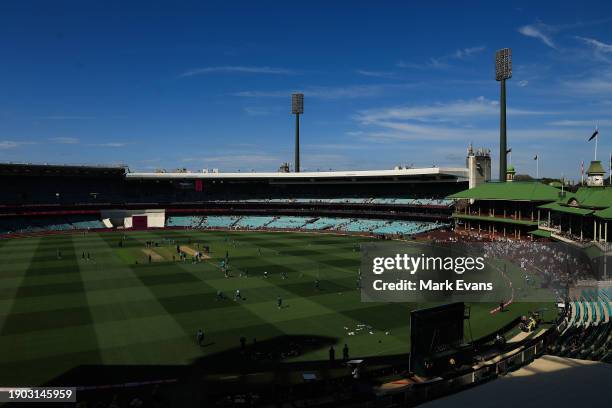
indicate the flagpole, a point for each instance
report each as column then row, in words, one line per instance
column 562, row 183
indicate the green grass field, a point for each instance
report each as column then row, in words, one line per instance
column 116, row 308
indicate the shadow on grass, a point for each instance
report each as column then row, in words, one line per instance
column 271, row 354
column 267, row 368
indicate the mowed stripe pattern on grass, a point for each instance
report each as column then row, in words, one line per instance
column 107, row 310
column 116, row 308
column 64, row 340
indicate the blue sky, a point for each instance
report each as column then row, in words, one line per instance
column 208, row 84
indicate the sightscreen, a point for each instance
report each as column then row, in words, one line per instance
column 139, row 221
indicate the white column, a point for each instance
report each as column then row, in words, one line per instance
column 599, row 235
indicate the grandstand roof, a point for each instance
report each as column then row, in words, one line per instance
column 605, row 214
column 541, row 233
column 29, row 169
column 510, row 191
column 566, row 209
column 594, row 197
column 438, row 173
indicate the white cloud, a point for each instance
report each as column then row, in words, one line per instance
column 404, row 64
column 236, row 69
column 12, row 144
column 588, row 124
column 601, row 51
column 540, row 31
column 65, row 140
column 457, row 122
column 443, row 61
column 64, row 117
column 375, row 74
column 523, row 83
column 259, row 110
column 8, row 144
column 398, row 132
column 599, row 82
column 468, row 52
column 442, row 112
column 432, row 63
column 109, row 144
column 322, row 92
column 353, row 145
column 596, row 44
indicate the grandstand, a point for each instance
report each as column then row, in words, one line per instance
column 349, row 225
column 22, row 225
column 523, row 209
column 259, row 221
column 586, row 332
column 401, row 202
column 52, row 185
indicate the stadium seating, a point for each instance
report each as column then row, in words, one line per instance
column 324, row 223
column 253, row 222
column 220, row 221
column 359, row 225
column 406, row 227
column 588, row 334
column 183, row 221
column 23, row 225
column 288, row 222
column 381, row 227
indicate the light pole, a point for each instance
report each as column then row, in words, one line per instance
column 297, row 108
column 503, row 71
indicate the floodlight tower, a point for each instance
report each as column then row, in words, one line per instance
column 503, row 71
column 297, row 108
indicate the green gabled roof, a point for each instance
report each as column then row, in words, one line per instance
column 493, row 219
column 605, row 214
column 596, row 168
column 566, row 209
column 594, row 197
column 540, row 233
column 568, row 198
column 511, row 191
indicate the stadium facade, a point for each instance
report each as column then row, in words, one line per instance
column 399, row 203
column 522, row 209
column 46, row 197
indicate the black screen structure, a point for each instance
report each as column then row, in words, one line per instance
column 433, row 332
